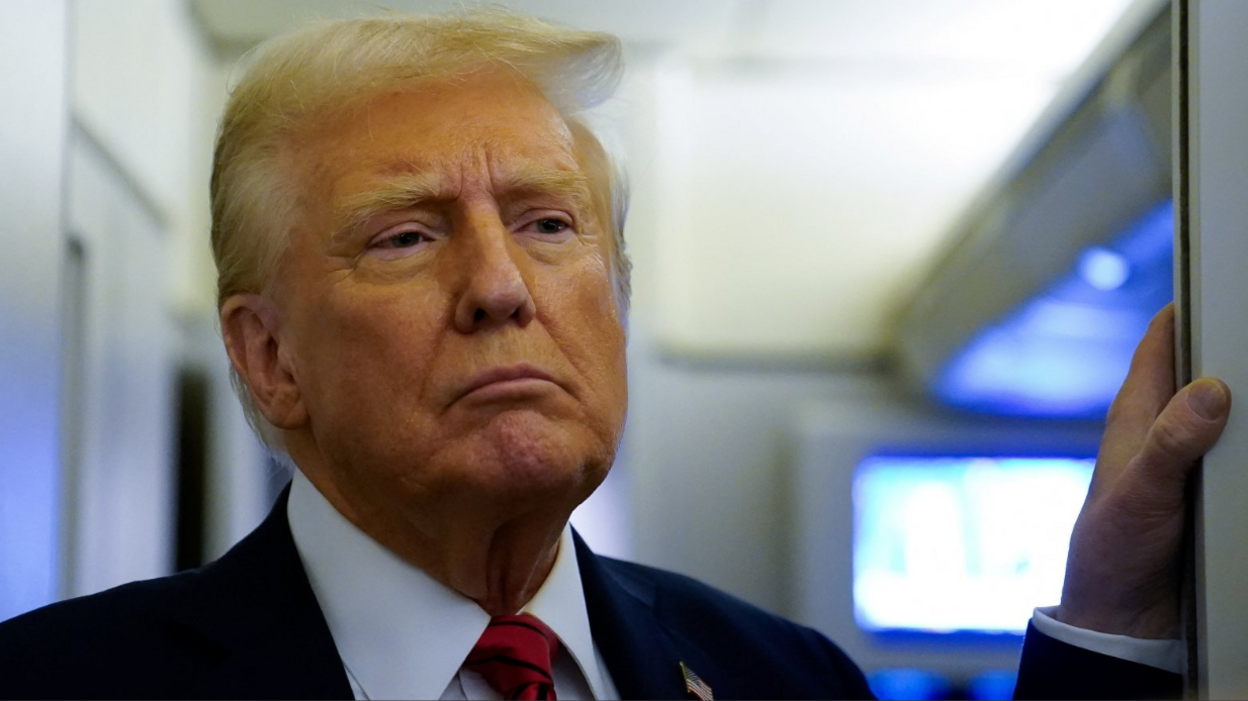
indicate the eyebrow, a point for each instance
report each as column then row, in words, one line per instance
column 394, row 193
column 543, row 180
column 411, row 189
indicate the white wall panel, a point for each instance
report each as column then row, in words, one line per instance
column 33, row 124
column 146, row 86
column 123, row 472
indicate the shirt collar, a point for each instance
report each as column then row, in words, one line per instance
column 560, row 604
column 400, row 632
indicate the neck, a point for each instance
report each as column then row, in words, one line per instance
column 500, row 563
column 504, row 574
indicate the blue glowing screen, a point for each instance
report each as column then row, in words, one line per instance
column 962, row 544
column 1066, row 352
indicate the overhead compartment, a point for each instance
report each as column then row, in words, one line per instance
column 1054, row 272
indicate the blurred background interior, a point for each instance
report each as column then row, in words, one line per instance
column 891, row 260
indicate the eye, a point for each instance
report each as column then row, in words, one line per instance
column 399, row 241
column 549, row 225
column 403, row 239
column 557, row 226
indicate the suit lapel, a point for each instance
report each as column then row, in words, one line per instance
column 262, row 630
column 259, row 619
column 642, row 654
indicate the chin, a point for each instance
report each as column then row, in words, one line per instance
column 522, row 455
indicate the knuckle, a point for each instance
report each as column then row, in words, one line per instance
column 1171, row 439
column 1150, row 501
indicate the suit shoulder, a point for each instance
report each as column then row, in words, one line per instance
column 47, row 649
column 697, row 599
column 136, row 600
column 731, row 628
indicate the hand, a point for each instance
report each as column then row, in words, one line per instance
column 1123, row 571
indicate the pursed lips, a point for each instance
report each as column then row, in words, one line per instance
column 503, row 380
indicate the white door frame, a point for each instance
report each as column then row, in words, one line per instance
column 1211, row 182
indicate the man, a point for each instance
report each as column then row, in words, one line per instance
column 422, row 291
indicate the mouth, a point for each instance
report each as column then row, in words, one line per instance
column 511, row 382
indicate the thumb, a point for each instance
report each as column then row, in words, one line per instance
column 1184, row 431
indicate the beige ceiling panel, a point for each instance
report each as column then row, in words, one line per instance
column 702, row 25
column 809, row 208
column 1025, row 36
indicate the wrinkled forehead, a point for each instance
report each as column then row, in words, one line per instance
column 488, row 127
column 424, row 123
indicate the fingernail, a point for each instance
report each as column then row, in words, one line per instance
column 1207, row 399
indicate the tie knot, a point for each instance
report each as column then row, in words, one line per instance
column 514, row 656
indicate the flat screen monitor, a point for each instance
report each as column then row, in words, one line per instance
column 961, row 544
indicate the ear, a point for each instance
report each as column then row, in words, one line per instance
column 249, row 325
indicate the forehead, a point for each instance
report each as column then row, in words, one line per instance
column 492, row 119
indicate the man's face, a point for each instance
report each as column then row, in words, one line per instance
column 446, row 307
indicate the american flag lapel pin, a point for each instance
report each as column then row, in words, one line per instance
column 694, row 684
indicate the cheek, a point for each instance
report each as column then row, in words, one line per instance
column 587, row 323
column 371, row 347
column 611, row 341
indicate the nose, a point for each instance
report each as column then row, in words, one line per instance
column 495, row 292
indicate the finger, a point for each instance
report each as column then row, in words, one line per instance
column 1186, row 429
column 1146, row 390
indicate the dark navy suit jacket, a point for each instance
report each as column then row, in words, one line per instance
column 249, row 626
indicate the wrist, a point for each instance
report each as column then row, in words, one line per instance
column 1155, row 624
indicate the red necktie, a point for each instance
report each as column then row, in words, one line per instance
column 514, row 655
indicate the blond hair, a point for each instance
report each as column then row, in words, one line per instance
column 293, row 80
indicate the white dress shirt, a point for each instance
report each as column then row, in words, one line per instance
column 402, row 634
column 1168, row 655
